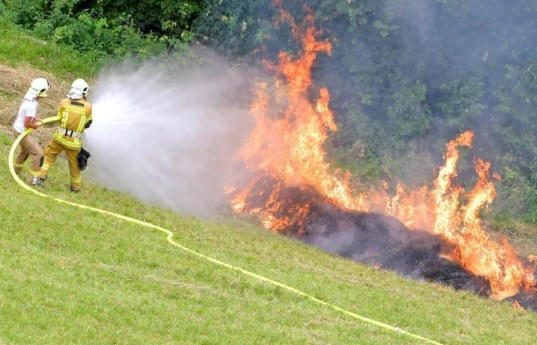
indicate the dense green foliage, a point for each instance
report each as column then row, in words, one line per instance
column 107, row 29
column 405, row 76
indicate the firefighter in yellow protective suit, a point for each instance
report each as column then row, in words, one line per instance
column 74, row 115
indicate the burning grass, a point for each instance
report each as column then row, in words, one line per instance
column 292, row 178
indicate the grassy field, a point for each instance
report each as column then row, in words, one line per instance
column 72, row 277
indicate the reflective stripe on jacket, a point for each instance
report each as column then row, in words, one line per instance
column 73, row 114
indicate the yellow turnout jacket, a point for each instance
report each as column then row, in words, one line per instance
column 74, row 115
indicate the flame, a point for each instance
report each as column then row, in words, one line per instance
column 290, row 146
column 286, row 146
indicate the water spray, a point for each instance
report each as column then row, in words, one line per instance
column 166, row 134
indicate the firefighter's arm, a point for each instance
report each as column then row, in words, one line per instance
column 89, row 120
column 50, row 120
column 58, row 116
column 32, row 122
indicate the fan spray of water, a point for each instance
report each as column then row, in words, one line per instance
column 165, row 134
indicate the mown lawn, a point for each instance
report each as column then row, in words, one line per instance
column 72, row 277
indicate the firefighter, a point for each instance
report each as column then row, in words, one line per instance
column 74, row 115
column 27, row 118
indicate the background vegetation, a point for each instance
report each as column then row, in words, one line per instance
column 405, row 76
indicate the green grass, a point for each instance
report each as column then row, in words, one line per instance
column 69, row 276
column 18, row 47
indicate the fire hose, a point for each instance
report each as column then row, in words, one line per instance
column 169, row 238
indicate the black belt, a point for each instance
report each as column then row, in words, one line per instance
column 68, row 133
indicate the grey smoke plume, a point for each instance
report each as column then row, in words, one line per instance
column 167, row 134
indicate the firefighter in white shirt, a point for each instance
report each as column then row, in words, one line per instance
column 27, row 118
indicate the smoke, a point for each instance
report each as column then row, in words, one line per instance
column 475, row 58
column 385, row 242
column 166, row 134
column 465, row 52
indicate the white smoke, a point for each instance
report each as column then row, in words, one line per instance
column 167, row 134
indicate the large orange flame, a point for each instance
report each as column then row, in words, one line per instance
column 287, row 146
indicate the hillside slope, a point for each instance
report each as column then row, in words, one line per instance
column 69, row 276
column 72, row 277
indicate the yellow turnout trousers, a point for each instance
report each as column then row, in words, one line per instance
column 53, row 149
column 29, row 148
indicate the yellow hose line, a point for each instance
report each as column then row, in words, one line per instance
column 169, row 238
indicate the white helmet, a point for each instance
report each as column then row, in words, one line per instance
column 38, row 88
column 79, row 89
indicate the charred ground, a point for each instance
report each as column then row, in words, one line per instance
column 371, row 238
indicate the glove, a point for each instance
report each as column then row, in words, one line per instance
column 82, row 158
